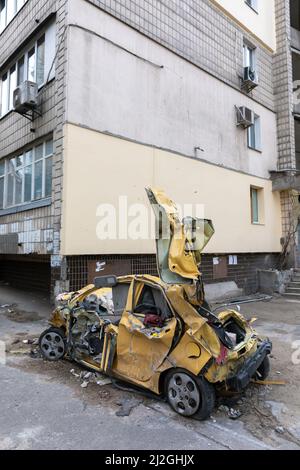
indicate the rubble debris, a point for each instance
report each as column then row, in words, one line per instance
column 86, row 376
column 280, row 429
column 234, row 413
column 223, row 408
column 72, row 371
column 90, row 377
column 269, row 382
column 35, row 353
column 127, row 405
column 261, row 413
column 104, row 381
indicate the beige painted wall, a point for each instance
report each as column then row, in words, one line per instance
column 261, row 24
column 99, row 168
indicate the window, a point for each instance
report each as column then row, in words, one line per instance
column 4, row 94
column 33, row 65
column 295, row 14
column 40, row 61
column 249, row 55
column 26, row 177
column 12, row 84
column 254, row 134
column 254, row 206
column 257, row 205
column 2, row 15
column 2, row 171
column 8, row 10
column 252, row 4
column 21, row 70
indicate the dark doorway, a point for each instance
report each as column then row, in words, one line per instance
column 26, row 272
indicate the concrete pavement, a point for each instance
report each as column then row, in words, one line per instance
column 44, row 407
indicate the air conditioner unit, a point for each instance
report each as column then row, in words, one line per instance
column 249, row 79
column 245, row 117
column 25, row 98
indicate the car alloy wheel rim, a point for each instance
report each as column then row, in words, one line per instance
column 183, row 394
column 53, row 346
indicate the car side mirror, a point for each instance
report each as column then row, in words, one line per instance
column 105, row 281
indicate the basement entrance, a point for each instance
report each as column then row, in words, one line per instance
column 32, row 272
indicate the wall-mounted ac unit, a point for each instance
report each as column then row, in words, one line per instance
column 25, row 98
column 249, row 79
column 244, row 117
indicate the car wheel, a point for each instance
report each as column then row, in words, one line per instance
column 263, row 370
column 52, row 344
column 189, row 395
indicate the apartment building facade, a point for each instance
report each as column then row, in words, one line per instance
column 133, row 94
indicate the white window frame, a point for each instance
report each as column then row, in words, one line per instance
column 7, row 171
column 249, row 55
column 49, row 53
column 254, row 134
column 17, row 5
column 259, row 192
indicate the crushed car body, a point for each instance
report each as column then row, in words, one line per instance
column 159, row 333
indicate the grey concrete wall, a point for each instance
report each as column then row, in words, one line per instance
column 198, row 31
column 133, row 87
column 37, row 230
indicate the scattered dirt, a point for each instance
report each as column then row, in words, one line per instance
column 93, row 394
column 22, row 343
column 267, row 411
column 13, row 313
column 256, row 413
column 253, row 404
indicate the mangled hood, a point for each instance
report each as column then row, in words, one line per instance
column 179, row 243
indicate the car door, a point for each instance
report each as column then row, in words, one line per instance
column 179, row 243
column 142, row 349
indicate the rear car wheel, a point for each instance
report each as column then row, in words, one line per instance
column 52, row 344
column 263, row 370
column 189, row 395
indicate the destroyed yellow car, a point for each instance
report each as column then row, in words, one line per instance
column 159, row 333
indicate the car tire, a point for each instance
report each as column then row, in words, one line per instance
column 263, row 370
column 52, row 344
column 189, row 395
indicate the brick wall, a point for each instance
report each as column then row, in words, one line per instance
column 199, row 32
column 244, row 273
column 15, row 130
column 283, row 87
column 33, row 230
